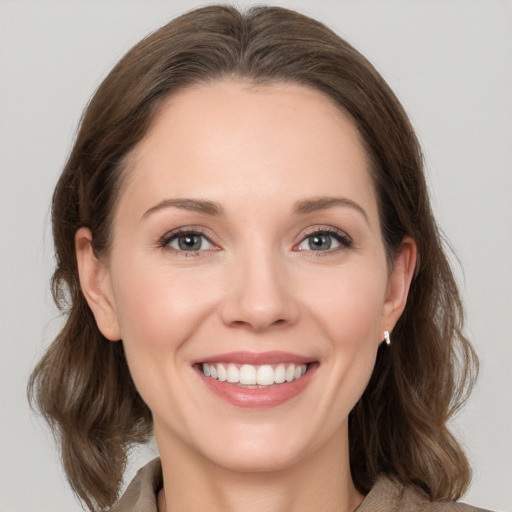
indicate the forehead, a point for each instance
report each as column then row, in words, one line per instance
column 232, row 139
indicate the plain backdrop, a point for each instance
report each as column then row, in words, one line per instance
column 450, row 63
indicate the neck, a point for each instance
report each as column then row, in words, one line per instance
column 321, row 481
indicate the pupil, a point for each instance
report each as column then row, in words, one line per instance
column 317, row 242
column 190, row 242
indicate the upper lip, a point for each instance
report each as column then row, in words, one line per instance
column 256, row 358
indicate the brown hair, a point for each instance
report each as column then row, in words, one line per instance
column 82, row 385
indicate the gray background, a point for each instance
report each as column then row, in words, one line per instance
column 450, row 63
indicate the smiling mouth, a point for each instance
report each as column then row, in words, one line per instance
column 254, row 376
column 256, row 380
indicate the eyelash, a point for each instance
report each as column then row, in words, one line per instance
column 340, row 236
column 171, row 236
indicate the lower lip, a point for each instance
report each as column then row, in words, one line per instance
column 261, row 398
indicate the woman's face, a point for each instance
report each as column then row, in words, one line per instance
column 246, row 251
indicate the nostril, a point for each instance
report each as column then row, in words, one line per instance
column 258, row 326
column 258, row 309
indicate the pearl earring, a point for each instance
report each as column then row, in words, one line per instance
column 387, row 338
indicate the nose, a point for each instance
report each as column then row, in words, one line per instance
column 259, row 294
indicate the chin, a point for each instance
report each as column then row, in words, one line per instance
column 260, row 449
column 255, row 461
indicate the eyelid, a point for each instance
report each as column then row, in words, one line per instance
column 344, row 239
column 169, row 236
column 341, row 236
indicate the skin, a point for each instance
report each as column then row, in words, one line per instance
column 256, row 285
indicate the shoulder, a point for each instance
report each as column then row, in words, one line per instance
column 390, row 496
column 140, row 495
column 385, row 496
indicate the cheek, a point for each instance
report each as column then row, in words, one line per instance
column 351, row 307
column 158, row 307
column 158, row 312
column 350, row 316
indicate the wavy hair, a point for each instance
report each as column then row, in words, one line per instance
column 82, row 385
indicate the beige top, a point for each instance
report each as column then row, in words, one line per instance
column 385, row 496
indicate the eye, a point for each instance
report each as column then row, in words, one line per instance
column 324, row 240
column 187, row 241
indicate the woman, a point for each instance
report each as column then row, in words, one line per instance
column 245, row 208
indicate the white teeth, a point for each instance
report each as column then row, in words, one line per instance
column 222, row 374
column 247, row 374
column 233, row 374
column 250, row 375
column 280, row 374
column 265, row 375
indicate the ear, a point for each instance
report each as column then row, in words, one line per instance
column 399, row 281
column 95, row 282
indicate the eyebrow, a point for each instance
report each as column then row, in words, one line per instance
column 323, row 203
column 196, row 205
column 301, row 207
